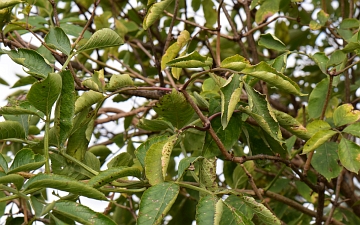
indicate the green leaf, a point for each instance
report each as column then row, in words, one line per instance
column 345, row 114
column 208, row 174
column 291, row 124
column 173, row 107
column 349, row 155
column 123, row 159
column 325, row 160
column 156, row 202
column 63, row 183
column 175, row 48
column 209, row 210
column 336, row 58
column 3, row 163
column 317, row 125
column 96, row 82
column 31, row 60
column 185, row 163
column 17, row 110
column 353, row 129
column 44, row 93
column 267, row 9
column 9, row 3
column 321, row 60
column 192, row 60
column 263, row 213
column 140, row 152
column 65, row 106
column 349, row 23
column 235, row 62
column 316, row 98
column 118, row 81
column 81, row 214
column 261, row 112
column 166, row 152
column 87, row 99
column 11, row 129
column 318, row 139
column 102, row 39
column 232, row 215
column 57, row 39
column 269, row 41
column 16, row 179
column 26, row 160
column 111, row 174
column 230, row 96
column 154, row 125
column 153, row 167
column 155, row 12
column 267, row 73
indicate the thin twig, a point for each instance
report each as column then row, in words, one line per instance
column 168, row 38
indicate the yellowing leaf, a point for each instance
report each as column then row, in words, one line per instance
column 154, row 13
column 175, row 48
column 345, row 114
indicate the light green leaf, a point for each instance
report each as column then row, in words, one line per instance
column 140, row 152
column 102, row 39
column 81, row 213
column 65, row 107
column 87, row 99
column 323, row 17
column 26, row 160
column 267, row 9
column 263, row 213
column 230, row 96
column 261, row 111
column 232, row 212
column 192, row 60
column 174, row 108
column 209, row 210
column 118, row 81
column 31, row 60
column 57, row 39
column 269, row 41
column 96, row 82
column 175, row 48
column 111, row 174
column 16, row 179
column 266, row 73
column 316, row 98
column 316, row 125
column 3, row 163
column 8, row 3
column 235, row 62
column 349, row 23
column 209, row 13
column 154, row 125
column 349, row 155
column 155, row 12
column 291, row 124
column 153, row 167
column 44, row 93
column 325, row 160
column 17, row 110
column 63, row 183
column 345, row 114
column 11, row 129
column 185, row 163
column 156, row 202
column 166, row 152
column 321, row 60
column 353, row 129
column 123, row 159
column 318, row 139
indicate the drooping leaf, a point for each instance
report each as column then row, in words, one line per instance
column 349, row 155
column 263, row 213
column 325, row 160
column 192, row 60
column 81, row 214
column 321, row 60
column 345, row 114
column 316, row 98
column 266, row 73
column 156, row 202
column 235, row 62
column 155, row 12
column 102, row 39
column 154, row 124
column 63, row 183
column 123, row 159
column 153, row 167
column 166, row 152
column 118, row 81
column 291, row 124
column 31, row 60
column 87, row 99
column 96, row 82
column 111, row 174
column 44, row 93
column 175, row 48
column 209, row 210
column 230, row 96
column 11, row 129
column 16, row 179
column 318, row 139
column 140, row 152
column 57, row 39
column 269, row 41
column 26, row 160
column 267, row 9
column 173, row 107
column 65, row 107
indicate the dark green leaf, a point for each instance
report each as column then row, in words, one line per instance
column 123, row 159
column 325, row 160
column 11, row 129
column 269, row 41
column 209, row 210
column 57, row 39
column 3, row 163
column 316, row 98
column 16, row 179
column 154, row 125
column 263, row 213
column 267, row 9
column 185, row 163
